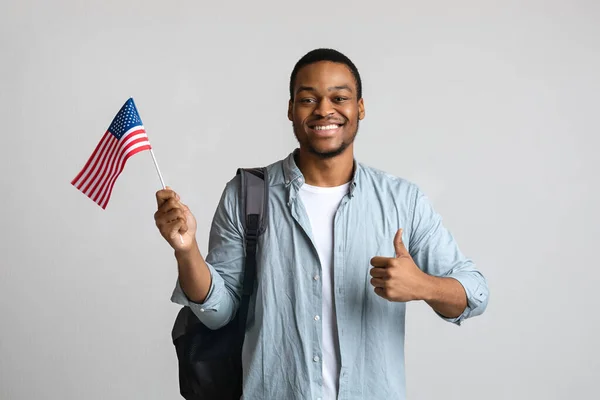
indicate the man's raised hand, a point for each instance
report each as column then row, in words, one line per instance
column 174, row 220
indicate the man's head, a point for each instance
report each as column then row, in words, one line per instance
column 325, row 102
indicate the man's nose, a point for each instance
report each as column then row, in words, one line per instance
column 324, row 108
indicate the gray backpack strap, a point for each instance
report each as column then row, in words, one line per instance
column 254, row 196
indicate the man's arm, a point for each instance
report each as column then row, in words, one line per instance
column 177, row 225
column 455, row 288
column 211, row 287
column 194, row 275
column 434, row 270
column 400, row 279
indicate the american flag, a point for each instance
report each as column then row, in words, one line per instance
column 124, row 138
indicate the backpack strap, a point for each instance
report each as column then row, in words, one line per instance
column 254, row 197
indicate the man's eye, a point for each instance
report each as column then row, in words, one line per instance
column 340, row 99
column 307, row 100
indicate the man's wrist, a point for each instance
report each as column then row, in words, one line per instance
column 189, row 253
column 428, row 288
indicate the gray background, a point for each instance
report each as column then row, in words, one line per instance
column 492, row 107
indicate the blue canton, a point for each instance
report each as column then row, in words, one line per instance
column 126, row 118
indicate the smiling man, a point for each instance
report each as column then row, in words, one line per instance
column 346, row 247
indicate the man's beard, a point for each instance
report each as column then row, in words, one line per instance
column 324, row 155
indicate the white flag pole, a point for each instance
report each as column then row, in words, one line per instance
column 162, row 181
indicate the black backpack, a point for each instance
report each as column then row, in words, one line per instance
column 210, row 361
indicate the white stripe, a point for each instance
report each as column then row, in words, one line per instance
column 110, row 153
column 132, row 138
column 104, row 175
column 135, row 128
column 95, row 185
column 117, row 171
column 92, row 166
column 112, row 161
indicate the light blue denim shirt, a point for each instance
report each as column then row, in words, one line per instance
column 282, row 349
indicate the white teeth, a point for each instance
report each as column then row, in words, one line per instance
column 325, row 128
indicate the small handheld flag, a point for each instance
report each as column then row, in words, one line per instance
column 124, row 138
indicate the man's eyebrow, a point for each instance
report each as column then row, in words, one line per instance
column 343, row 87
column 330, row 89
column 305, row 88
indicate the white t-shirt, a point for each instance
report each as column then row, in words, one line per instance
column 321, row 204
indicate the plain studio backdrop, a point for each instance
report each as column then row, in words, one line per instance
column 491, row 107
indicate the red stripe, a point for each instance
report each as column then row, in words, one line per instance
column 104, row 202
column 134, row 152
column 110, row 168
column 121, row 167
column 93, row 165
column 97, row 187
column 123, row 154
column 90, row 159
column 99, row 162
column 102, row 146
column 93, row 183
column 114, row 174
column 113, row 161
column 133, row 142
column 132, row 133
column 112, row 183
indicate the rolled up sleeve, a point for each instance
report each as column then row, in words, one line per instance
column 225, row 261
column 435, row 251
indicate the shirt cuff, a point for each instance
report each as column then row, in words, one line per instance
column 477, row 295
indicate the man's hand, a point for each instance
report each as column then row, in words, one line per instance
column 399, row 278
column 173, row 219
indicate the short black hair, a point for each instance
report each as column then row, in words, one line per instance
column 325, row 54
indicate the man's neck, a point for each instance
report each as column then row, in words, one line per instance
column 328, row 172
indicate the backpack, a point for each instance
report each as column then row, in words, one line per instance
column 210, row 361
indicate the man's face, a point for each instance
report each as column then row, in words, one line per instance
column 325, row 110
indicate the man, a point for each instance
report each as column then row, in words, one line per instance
column 345, row 248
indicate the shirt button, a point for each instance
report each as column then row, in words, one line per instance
column 202, row 310
column 317, row 318
column 316, row 277
column 316, row 358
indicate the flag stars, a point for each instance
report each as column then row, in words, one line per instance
column 125, row 120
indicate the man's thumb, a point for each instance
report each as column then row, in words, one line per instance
column 399, row 244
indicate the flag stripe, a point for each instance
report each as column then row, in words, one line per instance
column 142, row 146
column 117, row 159
column 87, row 164
column 97, row 188
column 91, row 184
column 103, row 169
column 134, row 136
column 95, row 166
column 113, row 141
column 84, row 174
column 121, row 164
column 133, row 133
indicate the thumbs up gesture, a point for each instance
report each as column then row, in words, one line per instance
column 398, row 278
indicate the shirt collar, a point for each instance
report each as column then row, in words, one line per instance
column 291, row 172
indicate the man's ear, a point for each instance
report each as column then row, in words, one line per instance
column 361, row 109
column 290, row 106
